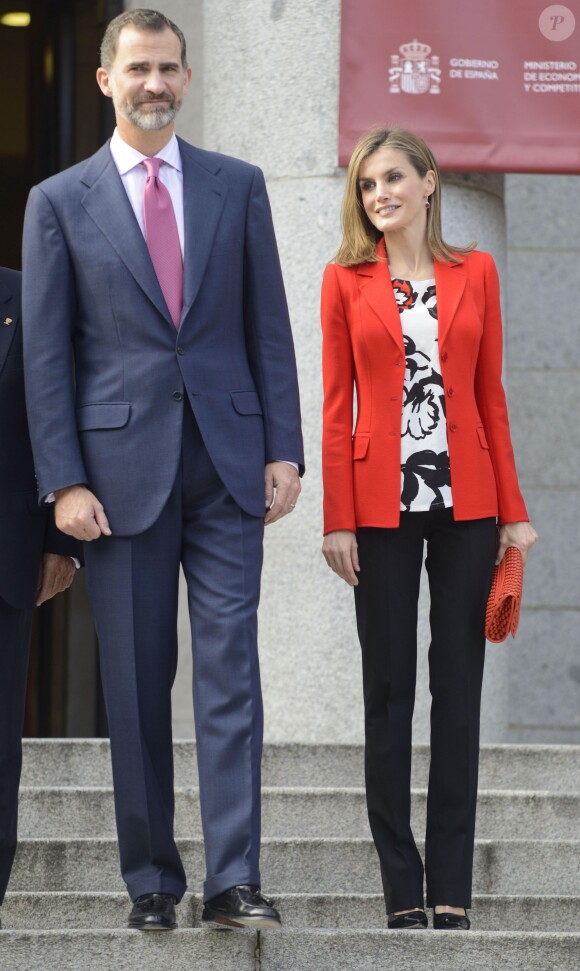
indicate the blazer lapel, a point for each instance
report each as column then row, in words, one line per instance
column 204, row 195
column 375, row 287
column 374, row 282
column 9, row 311
column 107, row 204
column 450, row 279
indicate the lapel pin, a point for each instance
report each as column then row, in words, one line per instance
column 8, row 321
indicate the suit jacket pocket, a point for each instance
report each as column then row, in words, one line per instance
column 246, row 402
column 481, row 436
column 105, row 414
column 360, row 445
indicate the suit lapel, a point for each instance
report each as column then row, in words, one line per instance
column 9, row 310
column 375, row 287
column 107, row 204
column 450, row 281
column 204, row 195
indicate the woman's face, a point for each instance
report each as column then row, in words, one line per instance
column 393, row 193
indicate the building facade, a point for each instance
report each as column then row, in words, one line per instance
column 265, row 88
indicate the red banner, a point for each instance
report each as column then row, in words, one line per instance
column 492, row 85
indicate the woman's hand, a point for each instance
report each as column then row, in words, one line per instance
column 522, row 535
column 340, row 551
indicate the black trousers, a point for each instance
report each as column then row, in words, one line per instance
column 14, row 650
column 460, row 559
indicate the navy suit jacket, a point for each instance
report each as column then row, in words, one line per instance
column 26, row 531
column 114, row 421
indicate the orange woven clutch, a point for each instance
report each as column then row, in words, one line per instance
column 502, row 614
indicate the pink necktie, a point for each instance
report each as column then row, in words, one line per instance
column 163, row 239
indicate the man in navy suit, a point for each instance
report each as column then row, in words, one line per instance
column 35, row 561
column 167, row 437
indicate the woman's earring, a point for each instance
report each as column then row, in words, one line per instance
column 427, row 204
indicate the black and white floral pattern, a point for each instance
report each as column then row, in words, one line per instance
column 425, row 475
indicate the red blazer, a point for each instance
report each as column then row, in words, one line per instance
column 363, row 346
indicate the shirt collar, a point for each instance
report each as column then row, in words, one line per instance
column 126, row 158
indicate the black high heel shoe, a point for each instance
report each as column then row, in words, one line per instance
column 451, row 922
column 415, row 920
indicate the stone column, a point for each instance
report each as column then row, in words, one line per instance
column 544, row 369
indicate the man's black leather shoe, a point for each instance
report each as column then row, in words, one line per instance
column 153, row 912
column 415, row 920
column 244, row 906
column 451, row 922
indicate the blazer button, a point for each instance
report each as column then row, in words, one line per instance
column 181, row 350
column 450, row 393
column 177, row 396
column 398, row 364
column 394, row 397
column 444, row 356
column 453, row 427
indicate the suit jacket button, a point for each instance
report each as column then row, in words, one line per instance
column 453, row 427
column 444, row 356
column 451, row 392
column 181, row 350
column 394, row 397
column 177, row 396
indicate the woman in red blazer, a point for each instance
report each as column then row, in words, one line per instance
column 415, row 327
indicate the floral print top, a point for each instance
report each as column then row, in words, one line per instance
column 425, row 476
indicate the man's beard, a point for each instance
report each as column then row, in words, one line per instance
column 151, row 119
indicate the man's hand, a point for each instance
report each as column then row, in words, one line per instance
column 282, row 488
column 78, row 513
column 56, row 575
column 340, row 551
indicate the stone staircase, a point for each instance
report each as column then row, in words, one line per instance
column 66, row 910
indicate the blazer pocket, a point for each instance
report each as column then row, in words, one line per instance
column 106, row 414
column 360, row 445
column 246, row 402
column 482, row 438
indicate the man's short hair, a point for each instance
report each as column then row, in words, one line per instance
column 141, row 19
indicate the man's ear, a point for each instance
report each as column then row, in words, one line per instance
column 103, row 82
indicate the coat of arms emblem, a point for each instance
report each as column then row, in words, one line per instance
column 414, row 70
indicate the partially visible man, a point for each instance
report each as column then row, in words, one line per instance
column 35, row 561
column 153, row 265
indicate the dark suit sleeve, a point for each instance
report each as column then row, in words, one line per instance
column 49, row 316
column 268, row 334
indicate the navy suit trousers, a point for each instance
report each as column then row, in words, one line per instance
column 133, row 585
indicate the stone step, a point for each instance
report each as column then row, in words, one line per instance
column 86, row 762
column 124, row 950
column 59, row 911
column 295, row 865
column 288, row 950
column 294, row 812
column 357, row 950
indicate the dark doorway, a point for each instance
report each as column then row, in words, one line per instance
column 54, row 116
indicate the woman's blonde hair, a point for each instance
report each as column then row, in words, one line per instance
column 359, row 236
